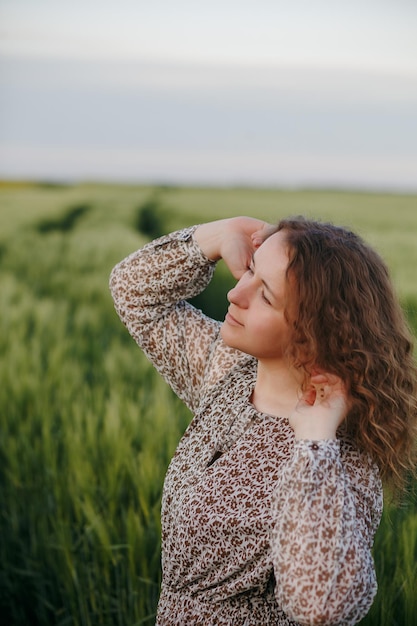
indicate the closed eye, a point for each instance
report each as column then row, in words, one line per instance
column 250, row 270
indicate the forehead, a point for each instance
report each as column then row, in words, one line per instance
column 273, row 255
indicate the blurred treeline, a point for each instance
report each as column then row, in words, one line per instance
column 88, row 427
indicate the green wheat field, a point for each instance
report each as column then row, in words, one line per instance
column 88, row 428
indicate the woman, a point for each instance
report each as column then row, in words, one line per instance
column 303, row 399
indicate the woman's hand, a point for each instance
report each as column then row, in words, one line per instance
column 321, row 409
column 242, row 237
column 234, row 240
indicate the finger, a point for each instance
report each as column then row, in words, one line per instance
column 309, row 397
column 318, row 379
column 259, row 236
column 324, row 378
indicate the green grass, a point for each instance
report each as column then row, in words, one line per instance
column 88, row 428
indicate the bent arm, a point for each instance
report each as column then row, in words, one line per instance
column 326, row 512
column 149, row 289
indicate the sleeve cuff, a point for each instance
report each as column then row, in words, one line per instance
column 185, row 235
column 317, row 449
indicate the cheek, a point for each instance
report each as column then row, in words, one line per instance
column 280, row 331
column 269, row 328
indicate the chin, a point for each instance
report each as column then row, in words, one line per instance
column 227, row 336
column 230, row 340
column 224, row 333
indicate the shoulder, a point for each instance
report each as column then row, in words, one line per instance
column 223, row 359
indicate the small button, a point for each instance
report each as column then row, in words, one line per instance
column 185, row 234
column 314, row 446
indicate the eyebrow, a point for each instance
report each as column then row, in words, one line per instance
column 265, row 284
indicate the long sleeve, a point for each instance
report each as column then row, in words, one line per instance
column 149, row 289
column 326, row 511
column 306, row 510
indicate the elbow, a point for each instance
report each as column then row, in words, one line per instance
column 307, row 611
column 125, row 280
column 114, row 280
column 119, row 285
column 119, row 292
column 316, row 608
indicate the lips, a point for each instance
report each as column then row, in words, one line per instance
column 231, row 320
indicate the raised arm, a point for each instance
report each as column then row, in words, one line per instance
column 326, row 512
column 150, row 288
column 327, row 509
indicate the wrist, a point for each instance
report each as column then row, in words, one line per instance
column 209, row 237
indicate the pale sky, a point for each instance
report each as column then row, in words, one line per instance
column 262, row 91
column 378, row 34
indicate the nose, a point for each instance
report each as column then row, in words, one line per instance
column 239, row 295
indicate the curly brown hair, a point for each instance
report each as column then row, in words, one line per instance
column 347, row 320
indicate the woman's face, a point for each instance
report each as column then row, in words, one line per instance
column 255, row 322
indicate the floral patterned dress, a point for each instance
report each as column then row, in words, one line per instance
column 257, row 529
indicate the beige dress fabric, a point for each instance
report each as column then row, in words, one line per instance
column 257, row 529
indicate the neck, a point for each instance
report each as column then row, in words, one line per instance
column 277, row 388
